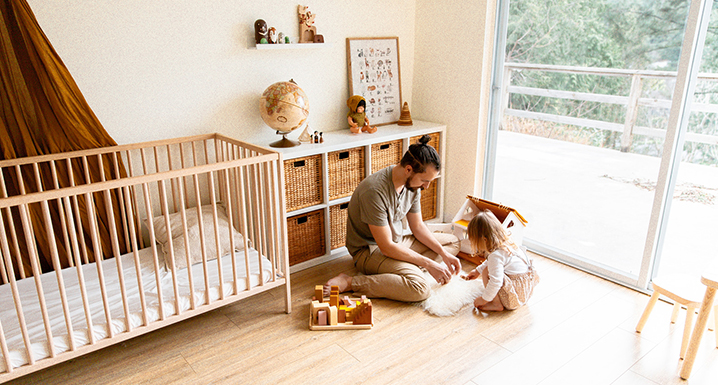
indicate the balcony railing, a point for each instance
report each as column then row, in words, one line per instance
column 632, row 102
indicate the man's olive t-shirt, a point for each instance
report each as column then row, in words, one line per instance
column 376, row 202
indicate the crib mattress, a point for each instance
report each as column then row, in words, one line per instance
column 153, row 286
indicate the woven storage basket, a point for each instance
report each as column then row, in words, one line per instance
column 385, row 154
column 346, row 170
column 305, row 233
column 434, row 142
column 338, row 225
column 428, row 202
column 303, row 181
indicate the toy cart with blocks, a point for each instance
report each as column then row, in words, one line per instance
column 337, row 313
column 513, row 222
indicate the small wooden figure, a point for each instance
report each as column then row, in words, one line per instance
column 272, row 35
column 316, row 137
column 280, row 38
column 307, row 30
column 261, row 32
column 321, row 138
column 305, row 137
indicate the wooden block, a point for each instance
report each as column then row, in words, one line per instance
column 322, row 317
column 333, row 315
column 319, row 293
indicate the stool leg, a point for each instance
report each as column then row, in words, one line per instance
column 690, row 312
column 698, row 333
column 674, row 314
column 647, row 311
column 715, row 318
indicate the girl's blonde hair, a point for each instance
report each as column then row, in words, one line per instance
column 485, row 225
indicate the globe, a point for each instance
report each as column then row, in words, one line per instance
column 284, row 107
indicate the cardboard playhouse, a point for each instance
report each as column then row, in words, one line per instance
column 513, row 222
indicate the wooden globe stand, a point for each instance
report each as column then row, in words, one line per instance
column 284, row 142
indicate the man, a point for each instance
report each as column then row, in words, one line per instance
column 391, row 263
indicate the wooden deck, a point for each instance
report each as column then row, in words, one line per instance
column 596, row 202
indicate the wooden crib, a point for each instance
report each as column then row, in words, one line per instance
column 102, row 245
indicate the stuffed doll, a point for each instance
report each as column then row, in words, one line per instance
column 356, row 117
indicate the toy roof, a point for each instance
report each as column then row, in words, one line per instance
column 499, row 210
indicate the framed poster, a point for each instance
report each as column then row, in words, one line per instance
column 373, row 65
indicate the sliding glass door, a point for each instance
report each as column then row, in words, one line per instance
column 582, row 130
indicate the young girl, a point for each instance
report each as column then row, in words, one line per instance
column 508, row 274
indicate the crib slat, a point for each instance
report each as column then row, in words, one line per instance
column 185, row 232
column 11, row 222
column 61, row 212
column 271, row 217
column 121, row 198
column 243, row 218
column 213, row 201
column 97, row 249
column 283, row 225
column 118, row 260
column 76, row 207
column 58, row 273
column 15, row 295
column 258, row 228
column 4, row 349
column 138, row 267
column 153, row 240
column 32, row 251
column 201, row 239
column 78, row 267
column 168, row 227
column 230, row 220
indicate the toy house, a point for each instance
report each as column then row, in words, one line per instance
column 512, row 221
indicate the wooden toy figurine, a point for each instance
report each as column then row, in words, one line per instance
column 260, row 32
column 307, row 30
column 358, row 122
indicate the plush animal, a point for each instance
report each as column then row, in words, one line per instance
column 260, row 32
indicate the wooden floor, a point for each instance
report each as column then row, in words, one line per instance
column 577, row 329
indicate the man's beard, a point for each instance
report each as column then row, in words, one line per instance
column 408, row 186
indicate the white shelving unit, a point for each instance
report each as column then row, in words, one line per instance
column 344, row 140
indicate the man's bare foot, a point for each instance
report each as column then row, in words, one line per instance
column 492, row 307
column 343, row 281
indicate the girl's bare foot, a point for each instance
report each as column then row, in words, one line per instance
column 491, row 307
column 343, row 281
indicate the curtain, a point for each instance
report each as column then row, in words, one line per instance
column 44, row 112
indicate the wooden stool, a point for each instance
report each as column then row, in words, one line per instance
column 711, row 282
column 683, row 290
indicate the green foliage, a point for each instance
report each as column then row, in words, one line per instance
column 626, row 34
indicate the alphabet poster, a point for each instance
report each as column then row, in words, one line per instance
column 374, row 74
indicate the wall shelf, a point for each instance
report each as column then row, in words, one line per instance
column 292, row 46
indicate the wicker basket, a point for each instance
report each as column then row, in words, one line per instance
column 346, row 170
column 303, row 180
column 338, row 225
column 434, row 142
column 385, row 154
column 305, row 233
column 428, row 202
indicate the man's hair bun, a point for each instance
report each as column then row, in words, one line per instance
column 424, row 140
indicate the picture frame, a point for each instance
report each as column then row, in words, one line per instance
column 374, row 73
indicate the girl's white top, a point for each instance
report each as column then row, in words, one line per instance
column 499, row 263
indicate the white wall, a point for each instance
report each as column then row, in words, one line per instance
column 452, row 72
column 163, row 69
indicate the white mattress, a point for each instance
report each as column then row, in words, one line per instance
column 34, row 319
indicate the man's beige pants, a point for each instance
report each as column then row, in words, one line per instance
column 386, row 277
